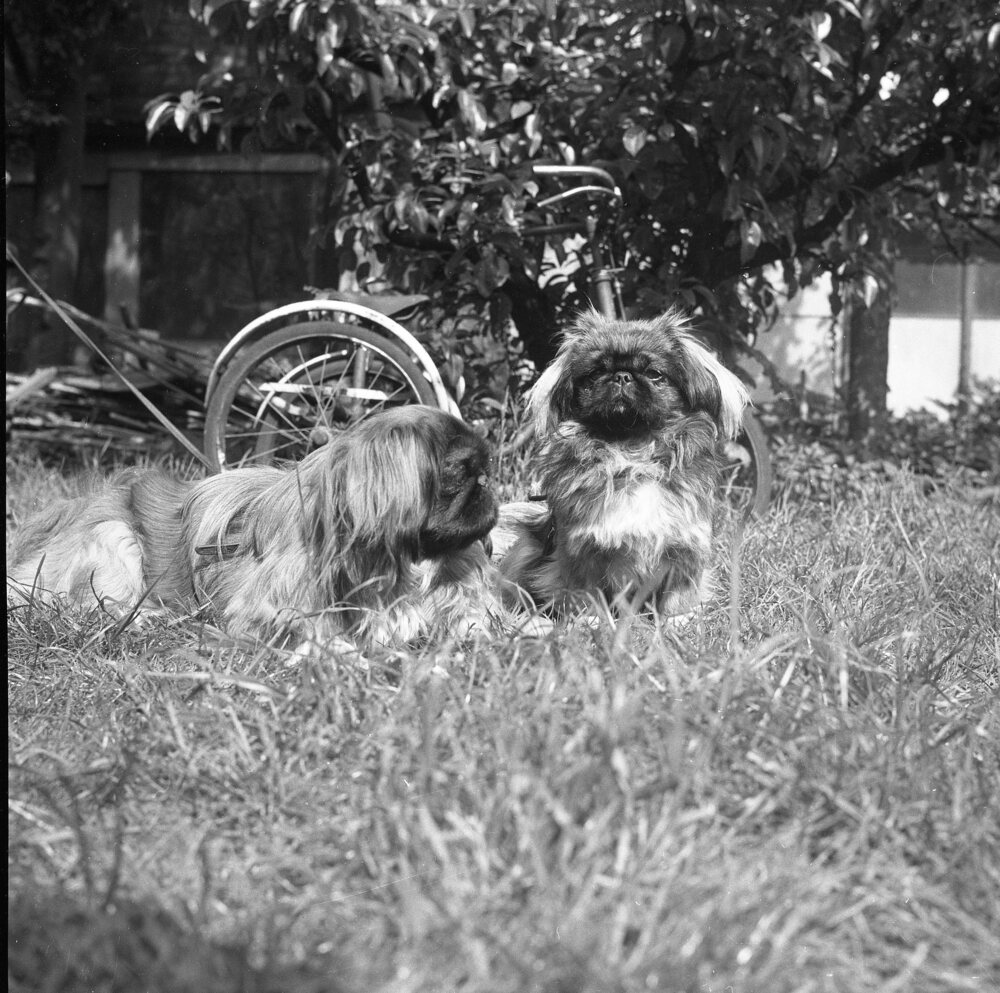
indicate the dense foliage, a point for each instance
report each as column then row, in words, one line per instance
column 741, row 136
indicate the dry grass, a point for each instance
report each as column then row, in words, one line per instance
column 798, row 795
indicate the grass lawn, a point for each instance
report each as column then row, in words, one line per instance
column 798, row 792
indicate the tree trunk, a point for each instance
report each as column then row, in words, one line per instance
column 867, row 363
column 58, row 173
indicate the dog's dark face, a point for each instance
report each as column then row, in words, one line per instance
column 408, row 483
column 624, row 389
column 463, row 507
column 632, row 379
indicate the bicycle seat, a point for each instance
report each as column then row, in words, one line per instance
column 387, row 304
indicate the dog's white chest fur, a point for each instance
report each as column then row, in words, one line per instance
column 629, row 506
column 623, row 525
column 630, row 513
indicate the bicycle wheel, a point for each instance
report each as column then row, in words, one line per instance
column 747, row 476
column 287, row 393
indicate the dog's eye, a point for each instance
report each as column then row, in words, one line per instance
column 480, row 470
column 654, row 374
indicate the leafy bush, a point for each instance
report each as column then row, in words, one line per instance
column 968, row 438
column 814, row 459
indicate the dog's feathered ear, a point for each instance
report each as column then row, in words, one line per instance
column 710, row 386
column 378, row 481
column 548, row 401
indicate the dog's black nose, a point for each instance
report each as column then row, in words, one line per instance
column 623, row 378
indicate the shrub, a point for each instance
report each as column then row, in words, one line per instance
column 815, row 460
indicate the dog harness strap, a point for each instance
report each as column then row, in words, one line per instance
column 219, row 551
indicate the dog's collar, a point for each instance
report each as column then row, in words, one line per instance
column 549, row 538
column 218, row 551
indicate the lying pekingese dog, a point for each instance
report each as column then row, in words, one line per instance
column 629, row 421
column 377, row 537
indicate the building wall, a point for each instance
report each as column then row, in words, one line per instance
column 924, row 336
column 923, row 359
column 803, row 345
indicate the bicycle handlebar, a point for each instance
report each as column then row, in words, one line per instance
column 605, row 183
column 606, row 190
column 582, row 172
column 613, row 196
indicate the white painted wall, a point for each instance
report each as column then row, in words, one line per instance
column 985, row 359
column 803, row 342
column 923, row 351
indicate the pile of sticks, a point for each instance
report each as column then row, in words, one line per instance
column 66, row 407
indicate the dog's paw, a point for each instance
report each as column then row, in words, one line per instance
column 680, row 622
column 535, row 626
column 336, row 649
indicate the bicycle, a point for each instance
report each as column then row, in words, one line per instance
column 748, row 474
column 289, row 378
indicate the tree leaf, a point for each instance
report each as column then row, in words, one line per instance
column 634, row 139
column 182, row 115
column 467, row 20
column 827, row 151
column 297, row 18
column 750, row 239
column 821, row 22
column 208, row 8
column 472, row 111
column 672, row 38
column 759, row 144
column 158, row 112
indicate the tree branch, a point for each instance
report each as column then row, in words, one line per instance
column 929, row 152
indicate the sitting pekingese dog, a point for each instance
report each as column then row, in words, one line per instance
column 377, row 537
column 629, row 420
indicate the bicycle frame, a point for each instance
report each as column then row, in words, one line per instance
column 317, row 310
column 603, row 278
column 607, row 287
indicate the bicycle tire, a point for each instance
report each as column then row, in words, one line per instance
column 748, row 482
column 249, row 420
